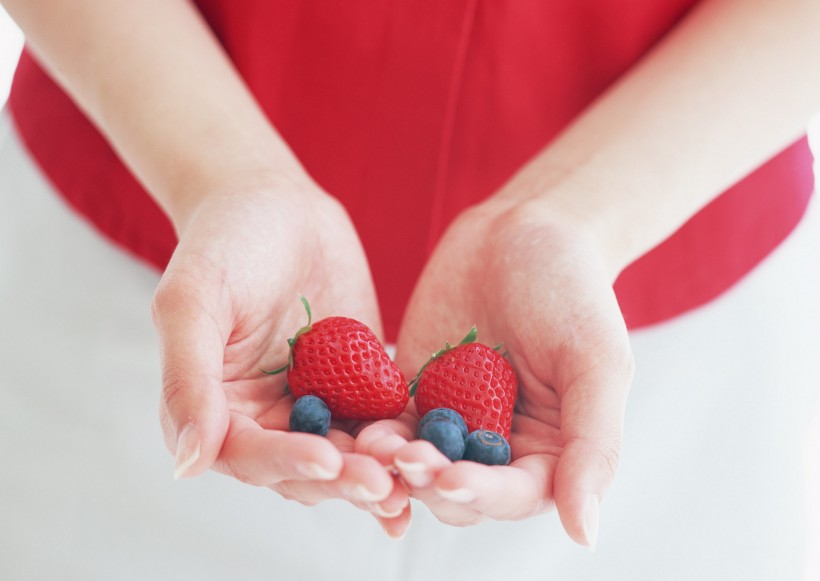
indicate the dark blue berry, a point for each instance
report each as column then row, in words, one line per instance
column 310, row 414
column 444, row 435
column 487, row 447
column 445, row 414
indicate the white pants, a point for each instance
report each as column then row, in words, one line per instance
column 711, row 486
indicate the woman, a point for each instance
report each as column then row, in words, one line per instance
column 515, row 160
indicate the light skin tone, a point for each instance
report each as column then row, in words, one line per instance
column 254, row 230
column 731, row 86
column 553, row 240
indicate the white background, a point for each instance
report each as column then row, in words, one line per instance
column 11, row 42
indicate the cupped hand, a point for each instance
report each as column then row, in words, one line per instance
column 224, row 309
column 537, row 282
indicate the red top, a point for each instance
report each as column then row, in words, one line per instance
column 408, row 112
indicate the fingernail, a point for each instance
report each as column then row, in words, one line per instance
column 459, row 495
column 188, row 450
column 415, row 473
column 365, row 495
column 377, row 509
column 410, row 467
column 399, row 536
column 316, row 471
column 591, row 512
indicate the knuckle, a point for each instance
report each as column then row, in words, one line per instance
column 537, row 508
column 177, row 289
column 164, row 299
column 168, row 431
column 627, row 363
column 609, row 455
column 460, row 519
column 288, row 491
column 174, row 388
column 240, row 474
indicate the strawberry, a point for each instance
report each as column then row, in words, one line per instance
column 343, row 363
column 473, row 379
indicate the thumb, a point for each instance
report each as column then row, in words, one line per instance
column 592, row 413
column 193, row 410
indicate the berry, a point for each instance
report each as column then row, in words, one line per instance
column 342, row 362
column 444, row 435
column 487, row 447
column 473, row 379
column 444, row 414
column 311, row 415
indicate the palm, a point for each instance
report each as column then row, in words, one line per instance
column 260, row 342
column 238, row 273
column 545, row 296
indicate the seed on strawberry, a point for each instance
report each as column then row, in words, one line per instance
column 342, row 362
column 444, row 414
column 473, row 379
column 310, row 414
column 487, row 447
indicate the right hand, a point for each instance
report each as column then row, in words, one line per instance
column 224, row 309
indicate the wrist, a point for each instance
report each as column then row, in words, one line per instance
column 565, row 216
column 267, row 181
column 604, row 197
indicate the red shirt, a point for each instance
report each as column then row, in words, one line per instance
column 410, row 111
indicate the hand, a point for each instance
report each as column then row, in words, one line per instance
column 537, row 282
column 224, row 310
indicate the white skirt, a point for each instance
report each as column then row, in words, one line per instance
column 712, row 484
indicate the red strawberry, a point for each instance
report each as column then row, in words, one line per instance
column 473, row 379
column 343, row 363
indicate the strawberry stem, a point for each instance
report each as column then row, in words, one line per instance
column 306, row 304
column 275, row 371
column 292, row 340
column 468, row 338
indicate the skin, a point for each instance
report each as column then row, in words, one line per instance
column 255, row 232
column 238, row 316
column 532, row 266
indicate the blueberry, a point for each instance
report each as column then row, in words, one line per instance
column 487, row 447
column 310, row 414
column 445, row 414
column 444, row 435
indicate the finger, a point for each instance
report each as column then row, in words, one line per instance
column 396, row 527
column 362, row 481
column 466, row 493
column 418, row 463
column 341, row 439
column 395, row 503
column 488, row 489
column 263, row 457
column 194, row 412
column 592, row 414
column 382, row 440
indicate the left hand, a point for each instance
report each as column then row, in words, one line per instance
column 536, row 281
